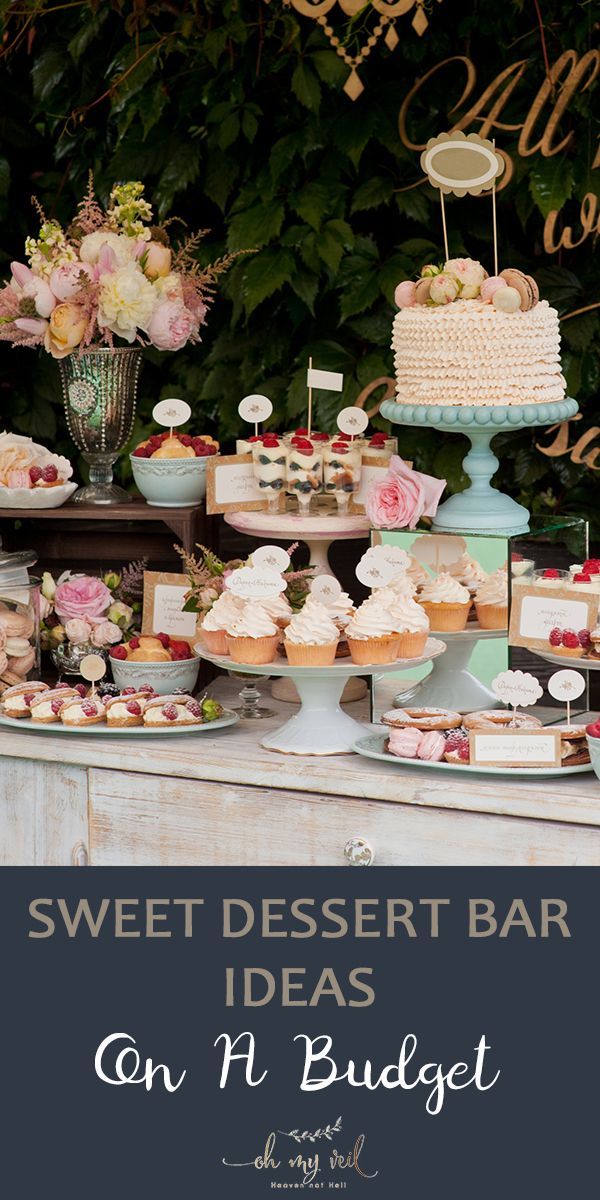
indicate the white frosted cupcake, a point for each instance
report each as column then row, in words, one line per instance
column 410, row 621
column 278, row 608
column 491, row 601
column 217, row 620
column 372, row 637
column 253, row 636
column 403, row 585
column 341, row 610
column 446, row 602
column 417, row 573
column 312, row 636
column 468, row 572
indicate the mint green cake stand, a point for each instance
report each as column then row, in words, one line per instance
column 481, row 508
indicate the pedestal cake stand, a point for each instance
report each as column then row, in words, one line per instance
column 318, row 530
column 320, row 727
column 480, row 508
column 450, row 683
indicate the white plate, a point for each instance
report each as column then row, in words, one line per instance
column 372, row 746
column 52, row 497
column 574, row 664
column 25, row 725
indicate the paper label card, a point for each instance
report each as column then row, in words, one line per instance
column 515, row 748
column 164, row 598
column 255, row 583
column 231, row 485
column 537, row 610
column 330, row 381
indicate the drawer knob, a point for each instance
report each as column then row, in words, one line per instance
column 79, row 855
column 358, row 852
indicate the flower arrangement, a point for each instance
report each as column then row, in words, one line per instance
column 111, row 274
column 402, row 497
column 89, row 609
column 466, row 279
column 208, row 575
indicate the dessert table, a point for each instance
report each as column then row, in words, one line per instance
column 225, row 801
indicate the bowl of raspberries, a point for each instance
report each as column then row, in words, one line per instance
column 169, row 469
column 158, row 660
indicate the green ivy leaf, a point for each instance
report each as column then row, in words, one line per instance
column 4, row 176
column 305, row 86
column 329, row 67
column 314, row 202
column 358, row 294
column 219, row 177
column 47, row 72
column 255, row 226
column 306, row 286
column 579, row 332
column 413, row 204
column 264, row 275
column 550, row 183
column 373, row 192
column 228, row 130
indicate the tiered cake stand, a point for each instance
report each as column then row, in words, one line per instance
column 450, row 683
column 317, row 530
column 480, row 508
column 321, row 726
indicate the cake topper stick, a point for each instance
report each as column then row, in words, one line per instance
column 255, row 408
column 457, row 164
column 446, row 251
column 329, row 381
column 171, row 412
column 309, row 395
column 494, row 225
column 92, row 668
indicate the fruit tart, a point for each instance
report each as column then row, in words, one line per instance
column 173, row 710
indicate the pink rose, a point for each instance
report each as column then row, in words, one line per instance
column 468, row 273
column 403, row 497
column 106, row 633
column 444, row 289
column 78, row 630
column 157, row 261
column 66, row 281
column 171, row 326
column 82, row 596
column 404, row 295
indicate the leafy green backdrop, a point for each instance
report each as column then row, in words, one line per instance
column 233, row 113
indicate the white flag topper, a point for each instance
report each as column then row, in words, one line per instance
column 330, row 381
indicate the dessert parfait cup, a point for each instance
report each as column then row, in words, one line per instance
column 341, row 472
column 269, row 460
column 304, row 473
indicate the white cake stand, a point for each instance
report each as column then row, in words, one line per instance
column 321, row 726
column 318, row 530
column 450, row 683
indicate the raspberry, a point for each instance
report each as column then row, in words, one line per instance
column 170, row 712
column 62, row 685
column 133, row 643
column 570, row 639
column 155, row 441
column 555, row 637
column 147, row 688
column 581, row 578
column 50, row 474
column 551, row 573
column 194, row 708
column 464, row 753
column 140, row 452
column 591, row 566
column 28, row 697
column 134, row 708
column 89, row 709
column 584, row 638
column 164, row 640
column 202, row 450
column 118, row 652
column 211, row 449
column 302, row 432
column 255, row 438
column 35, row 473
column 185, row 439
column 593, row 730
column 128, row 691
column 81, row 689
column 378, row 439
column 180, row 653
column 56, row 706
column 457, row 738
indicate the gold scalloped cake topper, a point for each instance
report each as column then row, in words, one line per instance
column 458, row 163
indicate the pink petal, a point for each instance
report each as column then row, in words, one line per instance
column 21, row 273
column 31, row 325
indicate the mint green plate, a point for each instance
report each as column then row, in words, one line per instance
column 372, row 746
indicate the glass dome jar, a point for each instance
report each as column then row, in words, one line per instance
column 19, row 618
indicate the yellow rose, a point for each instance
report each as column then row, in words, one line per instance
column 157, row 260
column 66, row 328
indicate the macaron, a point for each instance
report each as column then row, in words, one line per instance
column 507, row 300
column 524, row 285
column 16, row 624
column 422, row 290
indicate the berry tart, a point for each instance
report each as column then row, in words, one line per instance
column 172, row 710
column 126, row 710
column 567, row 643
column 79, row 712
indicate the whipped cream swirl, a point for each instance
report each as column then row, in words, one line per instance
column 224, row 610
column 494, row 590
column 252, row 622
column 444, row 590
column 312, row 626
column 372, row 620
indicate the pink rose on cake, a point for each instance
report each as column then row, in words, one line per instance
column 443, row 289
column 82, row 596
column 402, row 497
column 468, row 274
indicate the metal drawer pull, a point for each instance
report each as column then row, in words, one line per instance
column 359, row 852
column 79, row 855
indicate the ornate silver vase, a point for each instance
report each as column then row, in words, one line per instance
column 100, row 391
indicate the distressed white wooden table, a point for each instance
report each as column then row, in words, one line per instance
column 222, row 800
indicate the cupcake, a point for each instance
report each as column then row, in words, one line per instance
column 491, row 601
column 215, row 622
column 371, row 635
column 446, row 602
column 403, row 585
column 253, row 636
column 410, row 622
column 278, row 608
column 468, row 572
column 341, row 610
column 312, row 636
column 417, row 573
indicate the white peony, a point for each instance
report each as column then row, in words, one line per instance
column 168, row 287
column 123, row 248
column 468, row 273
column 127, row 301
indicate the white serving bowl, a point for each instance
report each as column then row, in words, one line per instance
column 50, row 497
column 170, row 482
column 164, row 677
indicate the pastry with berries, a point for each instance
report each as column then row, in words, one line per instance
column 176, row 445
column 568, row 643
column 46, row 707
column 457, row 748
column 126, row 710
column 150, row 648
column 78, row 712
column 170, row 711
column 16, row 700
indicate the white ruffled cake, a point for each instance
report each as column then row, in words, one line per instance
column 468, row 352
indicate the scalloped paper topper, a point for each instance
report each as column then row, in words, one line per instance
column 460, row 164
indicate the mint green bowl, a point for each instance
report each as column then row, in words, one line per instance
column 170, row 482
